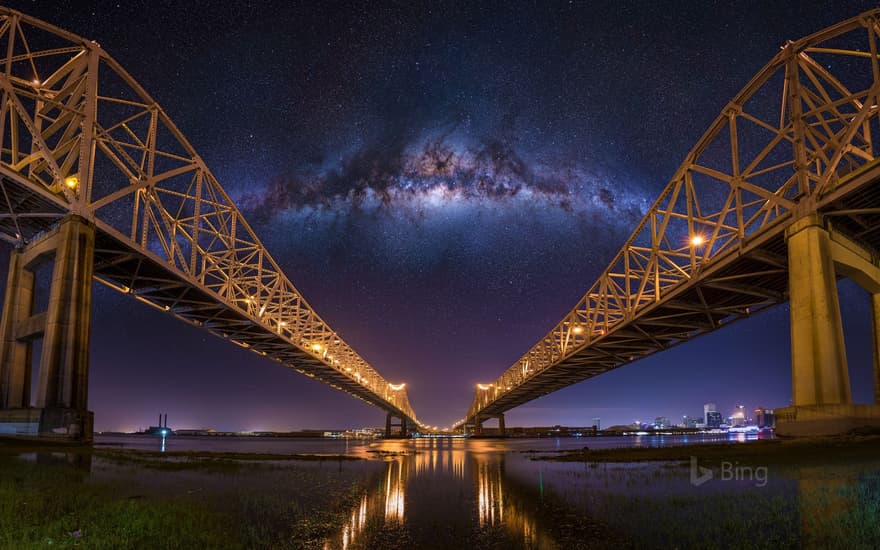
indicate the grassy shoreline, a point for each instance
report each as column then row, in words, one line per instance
column 203, row 502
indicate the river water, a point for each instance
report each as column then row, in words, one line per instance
column 492, row 493
column 364, row 448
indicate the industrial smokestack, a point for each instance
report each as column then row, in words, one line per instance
column 165, row 425
column 160, row 420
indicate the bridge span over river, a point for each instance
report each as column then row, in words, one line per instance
column 776, row 201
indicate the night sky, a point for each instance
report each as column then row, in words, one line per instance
column 442, row 182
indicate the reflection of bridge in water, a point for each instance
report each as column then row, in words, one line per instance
column 449, row 495
column 463, row 489
column 478, row 493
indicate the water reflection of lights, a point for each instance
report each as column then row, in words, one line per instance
column 385, row 504
column 460, row 468
column 495, row 506
column 355, row 525
column 490, row 495
column 395, row 491
column 456, row 464
column 438, row 460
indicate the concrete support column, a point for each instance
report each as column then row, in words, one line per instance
column 61, row 407
column 501, row 430
column 875, row 332
column 15, row 354
column 64, row 367
column 403, row 430
column 819, row 371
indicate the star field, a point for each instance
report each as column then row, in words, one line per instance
column 442, row 181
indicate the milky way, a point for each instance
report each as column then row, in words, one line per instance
column 442, row 181
column 407, row 196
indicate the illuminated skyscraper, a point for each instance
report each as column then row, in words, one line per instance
column 707, row 408
column 713, row 419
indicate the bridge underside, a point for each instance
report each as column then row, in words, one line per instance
column 84, row 148
column 744, row 282
column 150, row 280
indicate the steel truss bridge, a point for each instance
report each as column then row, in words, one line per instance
column 775, row 201
column 799, row 142
column 79, row 137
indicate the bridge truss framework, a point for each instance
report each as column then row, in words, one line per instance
column 82, row 144
column 797, row 147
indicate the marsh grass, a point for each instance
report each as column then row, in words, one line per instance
column 57, row 505
column 824, row 494
column 44, row 506
column 845, row 516
column 751, row 519
column 272, row 521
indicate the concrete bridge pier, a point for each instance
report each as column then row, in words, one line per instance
column 401, row 425
column 59, row 408
column 477, row 427
column 821, row 394
column 474, row 428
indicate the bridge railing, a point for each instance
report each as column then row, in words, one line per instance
column 80, row 132
column 806, row 120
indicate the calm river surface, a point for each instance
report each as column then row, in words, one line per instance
column 365, row 448
column 491, row 493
